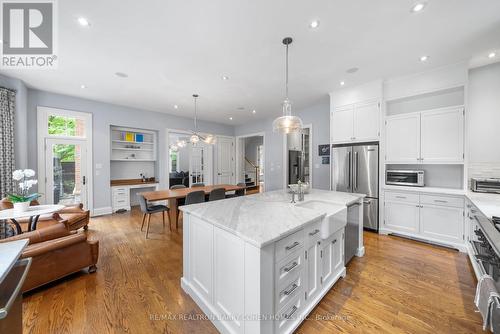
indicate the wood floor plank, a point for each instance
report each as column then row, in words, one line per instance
column 399, row 286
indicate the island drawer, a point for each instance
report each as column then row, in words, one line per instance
column 288, row 289
column 289, row 245
column 312, row 232
column 392, row 196
column 288, row 268
column 288, row 315
column 442, row 200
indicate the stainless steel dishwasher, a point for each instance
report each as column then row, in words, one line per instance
column 11, row 305
column 351, row 232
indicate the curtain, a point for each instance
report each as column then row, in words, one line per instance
column 7, row 163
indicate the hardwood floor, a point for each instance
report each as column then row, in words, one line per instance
column 399, row 286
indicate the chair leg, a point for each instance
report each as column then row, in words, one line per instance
column 169, row 222
column 147, row 228
column 163, row 218
column 143, row 220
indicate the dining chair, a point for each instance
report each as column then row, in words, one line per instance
column 195, row 197
column 180, row 201
column 149, row 210
column 217, row 194
column 197, row 184
column 239, row 192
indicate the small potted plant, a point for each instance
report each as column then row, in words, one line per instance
column 22, row 199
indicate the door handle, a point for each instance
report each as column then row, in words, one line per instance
column 355, row 170
column 349, row 169
column 84, row 181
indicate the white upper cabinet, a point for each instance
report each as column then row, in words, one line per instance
column 355, row 123
column 443, row 136
column 435, row 136
column 403, row 139
column 342, row 124
column 366, row 121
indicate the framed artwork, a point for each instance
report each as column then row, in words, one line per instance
column 324, row 150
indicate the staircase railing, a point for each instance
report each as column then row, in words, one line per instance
column 256, row 170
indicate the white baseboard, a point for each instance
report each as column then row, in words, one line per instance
column 107, row 210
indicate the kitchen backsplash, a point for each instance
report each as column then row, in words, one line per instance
column 484, row 169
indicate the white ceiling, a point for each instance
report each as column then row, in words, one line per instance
column 171, row 49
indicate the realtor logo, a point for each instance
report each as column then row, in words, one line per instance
column 28, row 34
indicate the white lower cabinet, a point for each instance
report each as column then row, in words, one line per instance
column 313, row 269
column 442, row 223
column 437, row 218
column 332, row 256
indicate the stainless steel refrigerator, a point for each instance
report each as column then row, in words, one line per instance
column 295, row 167
column 355, row 170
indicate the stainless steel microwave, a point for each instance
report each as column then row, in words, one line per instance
column 411, row 178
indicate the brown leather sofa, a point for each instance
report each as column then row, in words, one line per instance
column 56, row 252
column 74, row 214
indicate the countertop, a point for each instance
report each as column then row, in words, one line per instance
column 261, row 219
column 488, row 204
column 430, row 190
column 11, row 251
column 131, row 182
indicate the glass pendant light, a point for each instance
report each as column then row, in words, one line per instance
column 196, row 137
column 287, row 123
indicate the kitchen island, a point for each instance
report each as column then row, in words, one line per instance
column 260, row 264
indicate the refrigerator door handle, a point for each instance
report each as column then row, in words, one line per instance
column 349, row 169
column 355, row 170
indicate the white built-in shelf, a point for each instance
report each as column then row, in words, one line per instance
column 133, row 150
column 133, row 160
column 133, row 142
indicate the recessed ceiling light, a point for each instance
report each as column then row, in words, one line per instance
column 424, row 59
column 352, row 70
column 230, row 118
column 418, row 7
column 225, row 77
column 83, row 86
column 83, row 22
column 176, row 106
column 492, row 55
column 254, row 111
column 314, row 24
column 342, row 83
column 121, row 75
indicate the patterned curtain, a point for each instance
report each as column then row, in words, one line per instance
column 7, row 163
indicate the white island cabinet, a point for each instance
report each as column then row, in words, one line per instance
column 259, row 264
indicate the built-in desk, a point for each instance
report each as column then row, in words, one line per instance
column 121, row 190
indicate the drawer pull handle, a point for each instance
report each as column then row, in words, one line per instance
column 292, row 312
column 403, row 197
column 440, row 201
column 316, row 231
column 295, row 244
column 289, row 292
column 288, row 269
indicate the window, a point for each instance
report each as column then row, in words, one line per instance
column 66, row 126
column 173, row 161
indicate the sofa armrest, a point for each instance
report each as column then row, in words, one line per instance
column 73, row 208
column 51, row 245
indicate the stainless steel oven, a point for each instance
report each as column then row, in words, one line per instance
column 412, row 178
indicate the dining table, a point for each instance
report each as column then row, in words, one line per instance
column 173, row 195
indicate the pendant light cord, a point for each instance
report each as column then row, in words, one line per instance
column 195, row 116
column 286, row 73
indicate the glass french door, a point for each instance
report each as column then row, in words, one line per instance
column 66, row 171
column 200, row 163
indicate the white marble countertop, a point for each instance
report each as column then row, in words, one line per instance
column 261, row 219
column 488, row 204
column 9, row 253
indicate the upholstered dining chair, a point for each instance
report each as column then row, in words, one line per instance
column 195, row 197
column 149, row 210
column 217, row 194
column 180, row 201
column 197, row 184
column 239, row 192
